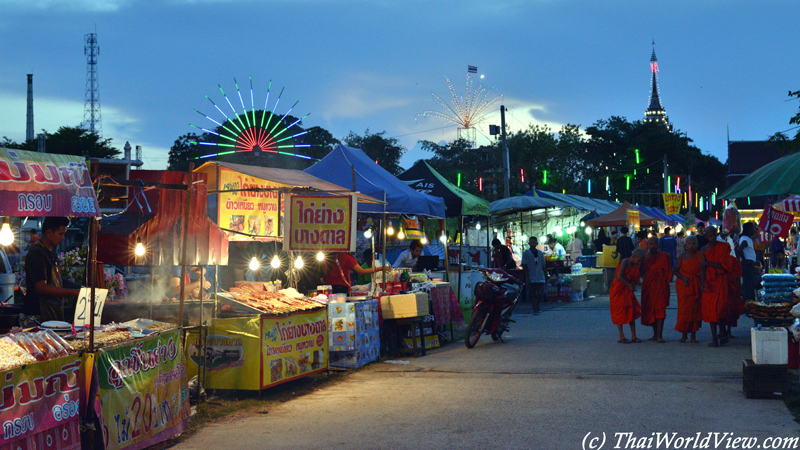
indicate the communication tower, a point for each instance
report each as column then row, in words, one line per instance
column 92, row 120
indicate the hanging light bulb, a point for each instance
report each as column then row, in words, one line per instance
column 298, row 263
column 254, row 265
column 588, row 230
column 443, row 238
column 478, row 226
column 390, row 230
column 139, row 249
column 320, row 256
column 424, row 240
column 6, row 235
column 401, row 235
column 276, row 262
column 368, row 233
column 583, row 224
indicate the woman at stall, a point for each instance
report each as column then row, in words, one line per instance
column 502, row 258
column 339, row 274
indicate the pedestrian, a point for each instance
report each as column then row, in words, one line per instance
column 777, row 252
column 641, row 240
column 701, row 236
column 625, row 309
column 715, row 267
column 751, row 268
column 575, row 247
column 669, row 244
column 681, row 238
column 624, row 244
column 656, row 275
column 687, row 287
column 533, row 270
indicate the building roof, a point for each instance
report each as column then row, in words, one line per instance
column 746, row 156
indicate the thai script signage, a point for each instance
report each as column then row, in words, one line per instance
column 250, row 211
column 43, row 184
column 320, row 223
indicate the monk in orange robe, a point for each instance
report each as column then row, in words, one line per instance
column 657, row 273
column 716, row 268
column 734, row 306
column 687, row 286
column 624, row 306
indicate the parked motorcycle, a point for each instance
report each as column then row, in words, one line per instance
column 495, row 300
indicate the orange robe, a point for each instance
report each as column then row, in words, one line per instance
column 716, row 297
column 734, row 306
column 655, row 287
column 689, row 319
column 624, row 306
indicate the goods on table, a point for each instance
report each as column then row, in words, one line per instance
column 775, row 299
column 101, row 338
column 27, row 347
column 12, row 355
column 272, row 302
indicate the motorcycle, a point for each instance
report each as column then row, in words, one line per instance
column 495, row 300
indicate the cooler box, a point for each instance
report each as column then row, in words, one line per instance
column 406, row 305
column 607, row 259
column 770, row 346
column 588, row 260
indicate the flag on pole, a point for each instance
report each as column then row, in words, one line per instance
column 472, row 69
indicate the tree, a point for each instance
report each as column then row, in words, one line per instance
column 69, row 141
column 386, row 151
column 321, row 140
column 786, row 144
column 183, row 152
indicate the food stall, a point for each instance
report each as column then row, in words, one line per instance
column 44, row 383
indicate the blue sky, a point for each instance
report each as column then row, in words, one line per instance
column 726, row 66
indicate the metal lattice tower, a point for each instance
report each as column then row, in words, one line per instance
column 29, row 124
column 92, row 120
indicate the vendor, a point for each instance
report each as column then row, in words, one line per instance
column 502, row 258
column 339, row 275
column 556, row 248
column 48, row 296
column 408, row 259
column 193, row 283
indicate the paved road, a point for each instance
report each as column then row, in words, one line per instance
column 560, row 376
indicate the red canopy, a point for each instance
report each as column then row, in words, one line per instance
column 619, row 217
column 156, row 216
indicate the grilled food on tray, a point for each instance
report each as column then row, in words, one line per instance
column 271, row 301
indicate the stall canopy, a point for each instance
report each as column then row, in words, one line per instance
column 619, row 217
column 346, row 165
column 457, row 202
column 156, row 216
column 779, row 177
column 519, row 203
column 44, row 184
column 660, row 215
column 577, row 201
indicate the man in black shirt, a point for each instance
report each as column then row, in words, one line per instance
column 624, row 244
column 701, row 238
column 48, row 296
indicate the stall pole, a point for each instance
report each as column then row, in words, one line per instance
column 383, row 236
column 201, row 381
column 460, row 252
column 92, row 278
column 184, row 243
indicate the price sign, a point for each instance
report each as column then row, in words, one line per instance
column 83, row 308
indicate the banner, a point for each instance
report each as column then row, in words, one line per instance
column 293, row 346
column 775, row 222
column 249, row 212
column 672, row 203
column 44, row 184
column 43, row 401
column 233, row 353
column 320, row 223
column 633, row 219
column 413, row 227
column 143, row 390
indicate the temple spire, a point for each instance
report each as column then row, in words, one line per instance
column 655, row 112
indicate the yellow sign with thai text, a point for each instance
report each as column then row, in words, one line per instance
column 293, row 346
column 672, row 203
column 248, row 214
column 633, row 219
column 320, row 223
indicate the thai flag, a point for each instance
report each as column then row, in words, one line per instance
column 472, row 69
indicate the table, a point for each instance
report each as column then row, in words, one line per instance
column 415, row 323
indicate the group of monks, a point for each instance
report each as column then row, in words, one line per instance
column 708, row 286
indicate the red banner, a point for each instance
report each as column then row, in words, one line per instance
column 43, row 184
column 775, row 222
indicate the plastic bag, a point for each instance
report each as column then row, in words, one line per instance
column 41, row 344
column 731, row 219
column 795, row 328
column 51, row 341
column 795, row 311
column 24, row 341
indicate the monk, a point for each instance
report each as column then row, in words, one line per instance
column 687, row 286
column 624, row 306
column 716, row 269
column 734, row 306
column 656, row 275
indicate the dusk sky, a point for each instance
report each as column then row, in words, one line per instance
column 725, row 66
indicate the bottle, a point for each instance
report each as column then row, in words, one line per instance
column 278, row 285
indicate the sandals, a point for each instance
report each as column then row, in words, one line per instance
column 636, row 341
column 624, row 341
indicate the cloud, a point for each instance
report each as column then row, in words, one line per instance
column 51, row 6
column 366, row 94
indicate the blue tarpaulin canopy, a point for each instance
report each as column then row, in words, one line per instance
column 343, row 164
column 523, row 203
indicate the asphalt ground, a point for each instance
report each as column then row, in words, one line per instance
column 560, row 381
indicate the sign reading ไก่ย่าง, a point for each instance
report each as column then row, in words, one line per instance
column 320, row 223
